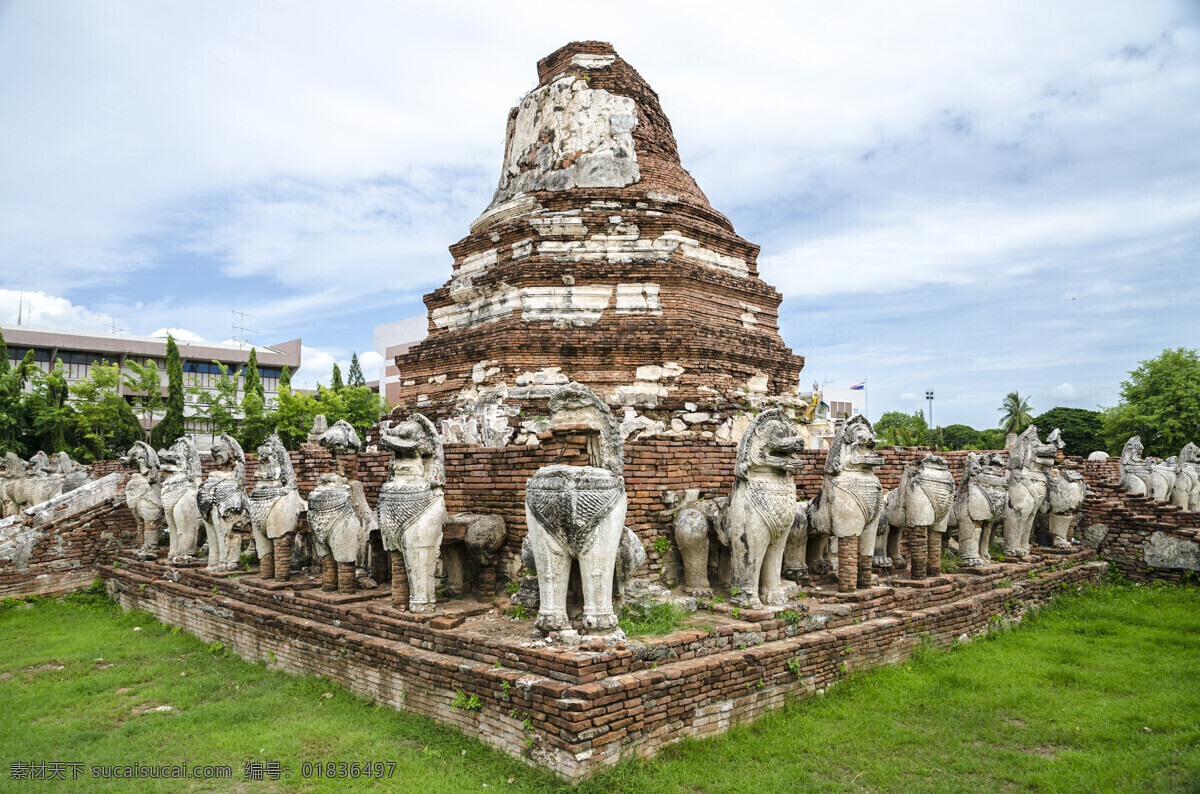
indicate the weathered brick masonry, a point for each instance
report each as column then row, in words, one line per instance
column 586, row 709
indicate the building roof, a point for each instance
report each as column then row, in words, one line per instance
column 23, row 336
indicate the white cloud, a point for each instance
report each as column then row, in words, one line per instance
column 180, row 335
column 40, row 310
column 1064, row 391
column 908, row 396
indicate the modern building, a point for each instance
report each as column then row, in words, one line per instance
column 391, row 340
column 79, row 352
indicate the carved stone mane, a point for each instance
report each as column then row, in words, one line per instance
column 853, row 433
column 575, row 403
column 753, row 449
column 1132, row 453
column 273, row 450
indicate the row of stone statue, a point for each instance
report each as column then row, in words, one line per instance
column 1175, row 480
column 41, row 478
column 769, row 533
column 409, row 517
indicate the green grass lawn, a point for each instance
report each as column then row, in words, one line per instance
column 1100, row 692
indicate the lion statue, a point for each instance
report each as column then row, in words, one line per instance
column 275, row 507
column 979, row 506
column 144, row 497
column 1186, row 493
column 339, row 515
column 223, row 504
column 850, row 501
column 1029, row 462
column 183, row 477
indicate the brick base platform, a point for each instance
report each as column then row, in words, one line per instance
column 577, row 710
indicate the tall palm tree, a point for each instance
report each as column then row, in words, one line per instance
column 1018, row 413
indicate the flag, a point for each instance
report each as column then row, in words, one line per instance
column 859, row 386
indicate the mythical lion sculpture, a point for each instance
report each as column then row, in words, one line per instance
column 275, row 506
column 223, row 505
column 920, row 508
column 850, row 501
column 412, row 511
column 578, row 513
column 339, row 515
column 183, row 476
column 1028, row 462
column 1138, row 476
column 1162, row 478
column 144, row 498
column 45, row 481
column 979, row 505
column 1186, row 493
column 11, row 485
column 1065, row 493
column 762, row 508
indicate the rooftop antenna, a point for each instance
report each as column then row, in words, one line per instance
column 20, row 307
column 112, row 323
column 240, row 329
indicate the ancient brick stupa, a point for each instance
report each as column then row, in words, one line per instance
column 600, row 261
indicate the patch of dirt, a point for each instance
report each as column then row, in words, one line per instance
column 1043, row 750
column 152, row 708
column 1014, row 722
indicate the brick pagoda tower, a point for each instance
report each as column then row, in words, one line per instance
column 601, row 261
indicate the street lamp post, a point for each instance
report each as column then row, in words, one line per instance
column 929, row 397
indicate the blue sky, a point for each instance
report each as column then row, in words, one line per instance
column 968, row 197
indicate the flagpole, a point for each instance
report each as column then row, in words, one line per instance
column 866, row 401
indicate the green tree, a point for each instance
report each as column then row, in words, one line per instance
column 361, row 408
column 13, row 422
column 896, row 428
column 146, row 385
column 172, row 425
column 105, row 425
column 1159, row 402
column 992, row 438
column 285, row 378
column 335, row 381
column 256, row 422
column 960, row 437
column 253, row 382
column 293, row 416
column 1082, row 430
column 1018, row 413
column 355, row 376
column 50, row 415
column 219, row 403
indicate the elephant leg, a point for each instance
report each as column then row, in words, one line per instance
column 969, row 540
column 214, row 546
column 770, row 587
column 934, row 552
column 746, row 552
column 596, row 573
column 1060, row 527
column 895, row 548
column 795, row 554
column 917, row 551
column 847, row 564
column 399, row 580
column 553, row 565
column 1012, row 533
column 328, row 564
column 881, row 544
column 691, row 536
column 282, row 558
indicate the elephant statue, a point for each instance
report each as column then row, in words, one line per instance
column 850, row 501
column 143, row 497
column 223, row 504
column 578, row 513
column 1186, row 493
column 1028, row 463
column 979, row 505
column 762, row 508
column 412, row 511
column 179, row 487
column 340, row 518
column 920, row 508
column 275, row 506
